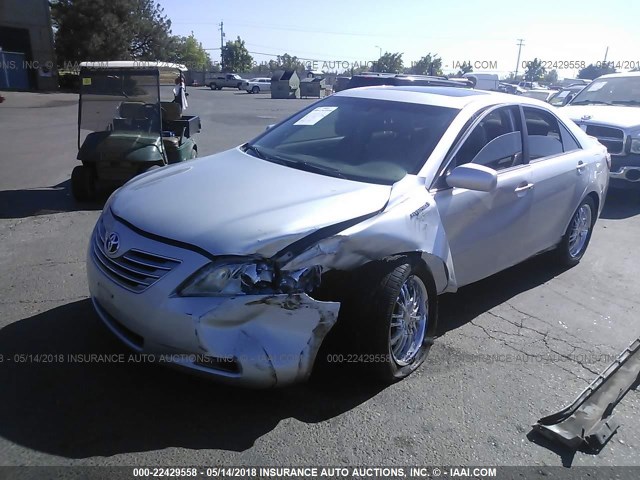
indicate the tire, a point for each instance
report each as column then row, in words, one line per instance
column 255, row 89
column 212, row 86
column 239, row 86
column 194, row 154
column 395, row 344
column 576, row 239
column 83, row 184
column 218, row 87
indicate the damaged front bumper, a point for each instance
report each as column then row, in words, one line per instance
column 251, row 340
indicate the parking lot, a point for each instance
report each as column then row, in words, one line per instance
column 513, row 348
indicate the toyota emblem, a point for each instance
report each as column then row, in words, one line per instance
column 111, row 243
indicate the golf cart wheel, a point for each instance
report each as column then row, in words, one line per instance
column 576, row 239
column 397, row 318
column 83, row 183
column 255, row 89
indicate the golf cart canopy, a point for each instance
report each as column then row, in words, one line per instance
column 133, row 64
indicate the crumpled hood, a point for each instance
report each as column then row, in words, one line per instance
column 615, row 116
column 235, row 204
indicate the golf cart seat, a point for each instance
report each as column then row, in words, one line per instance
column 132, row 116
column 170, row 111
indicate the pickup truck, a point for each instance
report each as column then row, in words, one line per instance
column 217, row 81
column 609, row 109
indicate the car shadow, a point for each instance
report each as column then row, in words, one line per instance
column 456, row 310
column 42, row 201
column 621, row 204
column 81, row 407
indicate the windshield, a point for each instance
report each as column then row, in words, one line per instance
column 119, row 100
column 610, row 91
column 361, row 139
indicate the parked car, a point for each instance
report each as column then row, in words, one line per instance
column 564, row 95
column 369, row 79
column 484, row 81
column 540, row 94
column 221, row 80
column 352, row 215
column 257, row 85
column 609, row 109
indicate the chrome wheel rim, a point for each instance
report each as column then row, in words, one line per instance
column 409, row 321
column 579, row 232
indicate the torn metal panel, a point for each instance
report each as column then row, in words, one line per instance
column 410, row 223
column 587, row 423
column 275, row 334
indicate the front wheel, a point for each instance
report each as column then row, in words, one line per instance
column 255, row 89
column 83, row 184
column 398, row 319
column 576, row 239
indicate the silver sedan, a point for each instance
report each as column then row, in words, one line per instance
column 353, row 215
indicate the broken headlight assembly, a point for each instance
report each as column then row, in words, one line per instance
column 237, row 277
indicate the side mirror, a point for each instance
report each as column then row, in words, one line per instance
column 473, row 177
column 269, row 127
column 568, row 98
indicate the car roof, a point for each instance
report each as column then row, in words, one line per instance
column 452, row 97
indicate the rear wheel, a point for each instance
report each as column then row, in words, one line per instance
column 255, row 89
column 194, row 154
column 397, row 319
column 576, row 239
column 83, row 183
column 212, row 86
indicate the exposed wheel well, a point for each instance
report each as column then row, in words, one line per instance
column 596, row 200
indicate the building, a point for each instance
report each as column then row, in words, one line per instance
column 27, row 58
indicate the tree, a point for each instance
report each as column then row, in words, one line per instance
column 236, row 57
column 286, row 62
column 427, row 65
column 551, row 77
column 390, row 63
column 594, row 71
column 110, row 30
column 534, row 71
column 189, row 52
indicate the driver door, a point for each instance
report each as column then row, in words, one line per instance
column 485, row 229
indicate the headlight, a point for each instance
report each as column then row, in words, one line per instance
column 635, row 145
column 237, row 277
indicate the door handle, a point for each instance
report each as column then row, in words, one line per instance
column 581, row 166
column 523, row 187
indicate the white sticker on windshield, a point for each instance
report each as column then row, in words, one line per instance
column 315, row 115
column 596, row 86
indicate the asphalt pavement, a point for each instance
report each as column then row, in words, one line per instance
column 513, row 348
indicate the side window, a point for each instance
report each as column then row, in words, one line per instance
column 495, row 142
column 568, row 142
column 543, row 133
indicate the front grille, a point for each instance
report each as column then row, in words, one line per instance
column 612, row 138
column 134, row 270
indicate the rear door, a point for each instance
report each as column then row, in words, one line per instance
column 485, row 229
column 560, row 176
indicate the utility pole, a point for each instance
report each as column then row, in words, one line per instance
column 221, row 46
column 520, row 44
column 605, row 55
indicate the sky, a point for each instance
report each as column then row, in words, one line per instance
column 337, row 33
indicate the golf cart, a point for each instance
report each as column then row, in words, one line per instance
column 127, row 126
